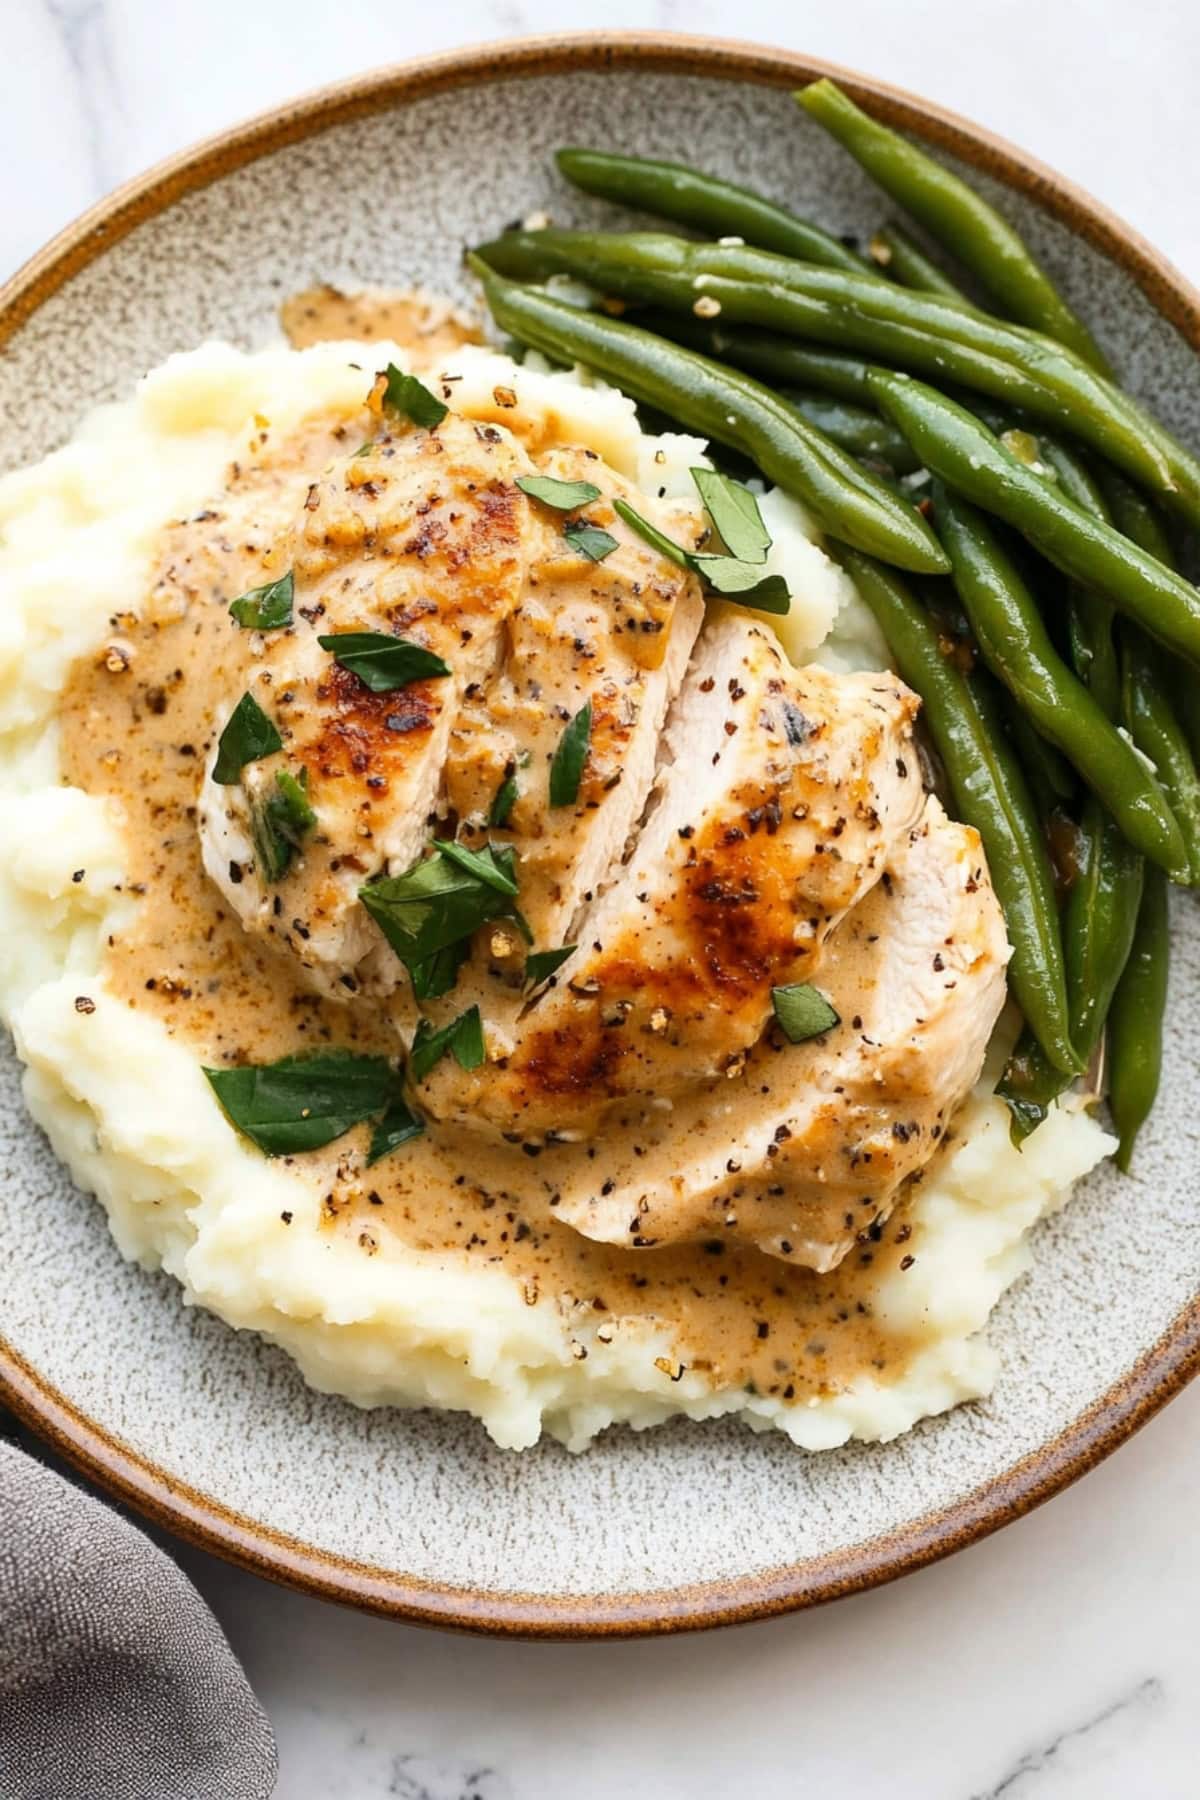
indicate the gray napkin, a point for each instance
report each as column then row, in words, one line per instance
column 116, row 1682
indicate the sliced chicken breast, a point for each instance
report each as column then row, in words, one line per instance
column 784, row 793
column 614, row 635
column 811, row 1148
column 422, row 536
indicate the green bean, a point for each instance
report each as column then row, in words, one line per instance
column 1016, row 646
column 894, row 326
column 717, row 208
column 953, row 213
column 1135, row 1022
column 953, row 444
column 1097, row 932
column 1137, row 672
column 1173, row 739
column 1090, row 617
column 1133, row 514
column 903, row 259
column 856, row 429
column 1101, row 912
column 1154, row 726
column 732, row 408
column 990, row 792
column 782, row 361
column 1051, row 777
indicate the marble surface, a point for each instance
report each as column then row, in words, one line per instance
column 1057, row 1659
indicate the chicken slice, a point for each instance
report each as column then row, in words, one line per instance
column 615, row 634
column 815, row 1143
column 422, row 536
column 783, row 796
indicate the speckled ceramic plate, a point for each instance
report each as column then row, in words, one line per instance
column 213, row 1433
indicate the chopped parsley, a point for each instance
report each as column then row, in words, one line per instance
column 382, row 662
column 566, row 769
column 398, row 1124
column 733, row 509
column 563, row 496
column 541, row 964
column 405, row 394
column 802, row 1012
column 730, row 576
column 266, row 608
column 280, row 823
column 302, row 1102
column 590, row 540
column 429, row 913
column 462, row 1037
column 249, row 735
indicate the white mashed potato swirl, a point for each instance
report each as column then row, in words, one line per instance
column 181, row 1188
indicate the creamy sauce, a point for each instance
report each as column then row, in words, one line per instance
column 425, row 325
column 136, row 725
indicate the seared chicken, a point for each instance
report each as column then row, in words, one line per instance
column 423, row 536
column 737, row 826
column 615, row 634
column 812, row 1147
column 783, row 795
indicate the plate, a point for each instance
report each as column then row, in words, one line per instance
column 212, row 1433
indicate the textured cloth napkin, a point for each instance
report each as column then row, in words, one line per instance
column 116, row 1682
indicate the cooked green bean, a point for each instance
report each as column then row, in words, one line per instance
column 953, row 444
column 953, row 213
column 1098, row 927
column 903, row 259
column 1016, row 646
column 1154, row 726
column 894, row 326
column 856, row 430
column 717, row 208
column 1135, row 1020
column 842, row 496
column 1162, row 714
column 1101, row 914
column 1133, row 514
column 1051, row 777
column 990, row 792
column 1090, row 617
column 1137, row 671
column 782, row 361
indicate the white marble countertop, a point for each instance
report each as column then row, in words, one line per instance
column 1056, row 1660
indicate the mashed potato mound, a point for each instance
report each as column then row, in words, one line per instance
column 182, row 1190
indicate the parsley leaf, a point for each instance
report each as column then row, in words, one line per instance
column 438, row 974
column 248, row 736
column 266, row 608
column 541, row 964
column 405, row 394
column 733, row 509
column 657, row 540
column 429, row 910
column 302, row 1102
column 563, row 496
column 382, row 662
column 803, row 1012
column 494, row 867
column 730, row 576
column 566, row 770
column 590, row 540
column 398, row 1124
column 744, row 583
column 505, row 800
column 280, row 824
column 463, row 1037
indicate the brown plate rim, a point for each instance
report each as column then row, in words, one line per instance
column 1154, row 1379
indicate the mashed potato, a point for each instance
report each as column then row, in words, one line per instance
column 181, row 1188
